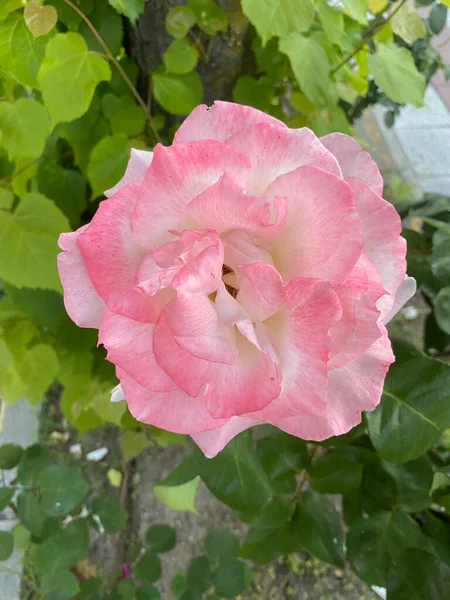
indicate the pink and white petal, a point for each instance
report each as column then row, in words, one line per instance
column 352, row 389
column 353, row 161
column 383, row 244
column 322, row 237
column 220, row 121
column 83, row 305
column 213, row 441
column 225, row 207
column 301, row 334
column 117, row 394
column 197, row 329
column 274, row 151
column 405, row 292
column 177, row 174
column 112, row 257
column 174, row 411
column 136, row 168
column 240, row 249
column 129, row 346
column 260, row 290
column 358, row 328
column 231, row 313
column 245, row 386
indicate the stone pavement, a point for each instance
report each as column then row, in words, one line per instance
column 18, row 425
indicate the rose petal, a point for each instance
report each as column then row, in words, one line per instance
column 405, row 292
column 136, row 168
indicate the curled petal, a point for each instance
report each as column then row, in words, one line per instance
column 213, row 441
column 84, row 306
column 220, row 121
column 260, row 290
column 136, row 168
column 274, row 151
column 177, row 174
column 322, row 237
column 405, row 292
column 353, row 161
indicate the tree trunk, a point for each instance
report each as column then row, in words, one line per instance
column 224, row 52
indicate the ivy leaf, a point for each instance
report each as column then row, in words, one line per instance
column 333, row 24
column 394, row 71
column 356, row 9
column 407, row 23
column 124, row 115
column 107, row 163
column 69, row 75
column 279, row 17
column 418, row 574
column 311, row 67
column 180, row 57
column 374, row 541
column 179, row 20
column 133, row 443
column 132, row 9
column 178, row 94
column 24, row 127
column 28, row 239
column 39, row 19
column 414, row 410
column 319, row 528
column 178, row 497
column 21, row 54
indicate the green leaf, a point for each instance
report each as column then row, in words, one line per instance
column 8, row 6
column 10, row 456
column 133, row 443
column 69, row 75
column 281, row 454
column 62, row 489
column 148, row 569
column 66, row 187
column 179, row 497
column 210, row 17
column 414, row 410
column 235, row 476
column 221, row 544
column 161, row 538
column 124, row 115
column 39, row 19
column 319, row 528
column 442, row 309
column 107, row 163
column 24, row 127
column 333, row 24
column 374, row 541
column 147, row 592
column 440, row 262
column 178, row 94
column 407, row 23
column 6, row 199
column 28, row 239
column 199, row 574
column 394, row 71
column 180, row 57
column 165, row 438
column 178, row 584
column 439, row 225
column 30, row 512
column 437, row 18
column 21, row 54
column 6, row 545
column 418, row 575
column 279, row 17
column 63, row 549
column 179, row 20
column 232, row 578
column 311, row 67
column 110, row 27
column 132, row 9
column 111, row 512
column 356, row 9
column 59, row 585
column 35, row 458
column 337, row 472
column 6, row 495
column 191, row 595
column 252, row 92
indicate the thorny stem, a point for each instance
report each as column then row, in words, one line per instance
column 368, row 37
column 118, row 66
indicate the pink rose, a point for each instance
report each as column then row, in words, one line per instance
column 243, row 275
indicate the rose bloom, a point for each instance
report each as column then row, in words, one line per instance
column 243, row 275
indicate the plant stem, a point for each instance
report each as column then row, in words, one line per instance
column 368, row 37
column 304, row 478
column 118, row 66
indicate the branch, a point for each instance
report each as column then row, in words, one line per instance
column 118, row 66
column 368, row 37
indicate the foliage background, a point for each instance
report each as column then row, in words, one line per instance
column 82, row 82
